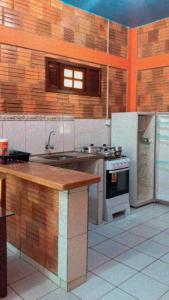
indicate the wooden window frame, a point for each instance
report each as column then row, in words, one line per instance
column 59, row 88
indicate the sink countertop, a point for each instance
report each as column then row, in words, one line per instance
column 76, row 157
column 53, row 177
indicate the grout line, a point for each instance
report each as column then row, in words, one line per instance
column 15, row 292
column 163, row 295
column 47, row 294
column 24, row 277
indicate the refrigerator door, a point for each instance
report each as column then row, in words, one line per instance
column 162, row 157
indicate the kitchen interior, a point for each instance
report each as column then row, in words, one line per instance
column 84, row 150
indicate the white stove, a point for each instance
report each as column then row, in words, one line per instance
column 117, row 164
column 116, row 182
column 116, row 179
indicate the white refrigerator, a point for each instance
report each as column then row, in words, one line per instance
column 135, row 132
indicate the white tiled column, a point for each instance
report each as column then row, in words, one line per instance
column 72, row 240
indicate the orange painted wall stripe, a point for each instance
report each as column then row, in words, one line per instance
column 58, row 47
column 153, row 62
column 132, row 71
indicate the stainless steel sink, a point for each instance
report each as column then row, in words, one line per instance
column 56, row 157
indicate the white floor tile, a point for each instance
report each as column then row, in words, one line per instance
column 164, row 218
column 165, row 258
column 145, row 231
column 110, row 248
column 161, row 238
column 127, row 223
column 18, row 269
column 158, row 270
column 34, row 286
column 94, row 288
column 12, row 295
column 167, row 230
column 129, row 239
column 117, row 294
column 152, row 248
column 165, row 296
column 94, row 238
column 160, row 208
column 11, row 255
column 155, row 223
column 92, row 226
column 60, row 294
column 135, row 259
column 144, row 288
column 95, row 259
column 109, row 230
column 114, row 272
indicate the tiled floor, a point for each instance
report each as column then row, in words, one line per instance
column 128, row 259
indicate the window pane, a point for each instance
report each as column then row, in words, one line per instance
column 68, row 83
column 78, row 75
column 68, row 73
column 78, row 85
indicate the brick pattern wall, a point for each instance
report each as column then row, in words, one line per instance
column 118, row 40
column 34, row 228
column 54, row 19
column 22, row 87
column 153, row 39
column 117, row 90
column 152, row 84
column 22, row 71
column 153, row 90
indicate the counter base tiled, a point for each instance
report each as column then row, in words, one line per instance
column 108, row 279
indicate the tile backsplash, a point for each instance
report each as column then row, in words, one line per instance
column 32, row 135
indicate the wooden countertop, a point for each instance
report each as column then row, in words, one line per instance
column 53, row 177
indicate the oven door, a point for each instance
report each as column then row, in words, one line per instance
column 117, row 183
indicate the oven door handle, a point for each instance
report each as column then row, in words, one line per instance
column 118, row 171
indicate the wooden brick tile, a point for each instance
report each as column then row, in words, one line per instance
column 12, row 19
column 7, row 3
column 68, row 35
column 21, row 6
column 43, row 27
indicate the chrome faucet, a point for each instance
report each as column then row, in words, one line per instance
column 48, row 145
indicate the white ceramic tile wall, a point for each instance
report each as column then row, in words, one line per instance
column 14, row 131
column 32, row 136
column 91, row 131
column 101, row 133
column 57, row 139
column 69, row 135
column 84, row 133
column 1, row 129
column 35, row 136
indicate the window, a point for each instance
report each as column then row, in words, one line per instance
column 73, row 78
column 65, row 77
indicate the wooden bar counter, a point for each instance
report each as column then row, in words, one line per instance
column 51, row 217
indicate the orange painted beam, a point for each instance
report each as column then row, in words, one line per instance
column 132, row 71
column 153, row 62
column 59, row 47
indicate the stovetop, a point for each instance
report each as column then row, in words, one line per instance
column 107, row 152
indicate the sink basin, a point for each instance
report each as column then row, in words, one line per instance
column 57, row 157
